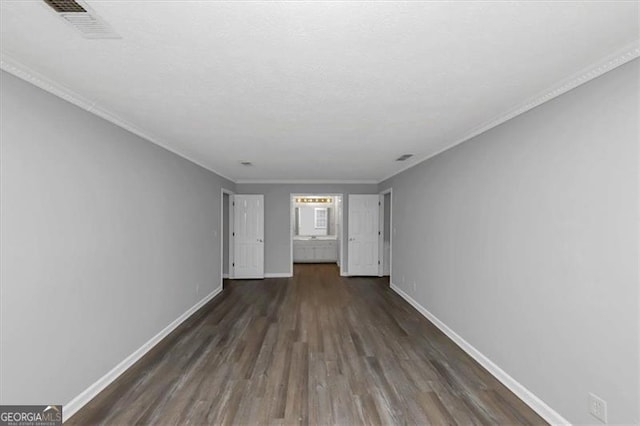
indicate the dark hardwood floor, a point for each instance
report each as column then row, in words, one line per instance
column 313, row 349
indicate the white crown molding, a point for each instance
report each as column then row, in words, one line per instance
column 528, row 397
column 620, row 57
column 23, row 72
column 307, row 181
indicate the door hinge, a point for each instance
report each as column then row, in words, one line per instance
column 233, row 204
column 379, row 233
column 233, row 234
column 233, row 264
column 378, row 262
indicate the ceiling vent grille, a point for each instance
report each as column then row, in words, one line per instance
column 65, row 6
column 83, row 19
column 404, row 157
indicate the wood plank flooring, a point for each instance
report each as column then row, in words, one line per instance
column 313, row 349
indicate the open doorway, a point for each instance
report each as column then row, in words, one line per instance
column 316, row 229
column 225, row 231
column 386, row 232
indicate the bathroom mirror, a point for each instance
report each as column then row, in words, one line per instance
column 312, row 221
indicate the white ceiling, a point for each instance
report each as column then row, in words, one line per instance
column 316, row 90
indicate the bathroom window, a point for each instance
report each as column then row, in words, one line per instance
column 320, row 217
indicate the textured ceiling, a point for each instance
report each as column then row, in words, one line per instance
column 315, row 90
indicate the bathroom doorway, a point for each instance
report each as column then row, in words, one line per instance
column 225, row 231
column 317, row 229
column 386, row 233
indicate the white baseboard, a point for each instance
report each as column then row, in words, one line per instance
column 278, row 274
column 88, row 394
column 225, row 276
column 536, row 404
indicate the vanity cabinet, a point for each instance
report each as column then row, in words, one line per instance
column 315, row 251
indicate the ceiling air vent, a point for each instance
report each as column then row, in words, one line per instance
column 83, row 19
column 404, row 157
column 65, row 6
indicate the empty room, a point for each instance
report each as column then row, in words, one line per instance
column 319, row 212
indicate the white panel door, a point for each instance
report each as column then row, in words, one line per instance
column 363, row 234
column 248, row 236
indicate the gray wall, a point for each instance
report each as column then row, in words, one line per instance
column 106, row 239
column 524, row 241
column 277, row 205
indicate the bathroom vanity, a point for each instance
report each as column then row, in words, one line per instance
column 315, row 250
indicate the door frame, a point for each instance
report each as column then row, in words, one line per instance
column 381, row 227
column 292, row 196
column 230, row 224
